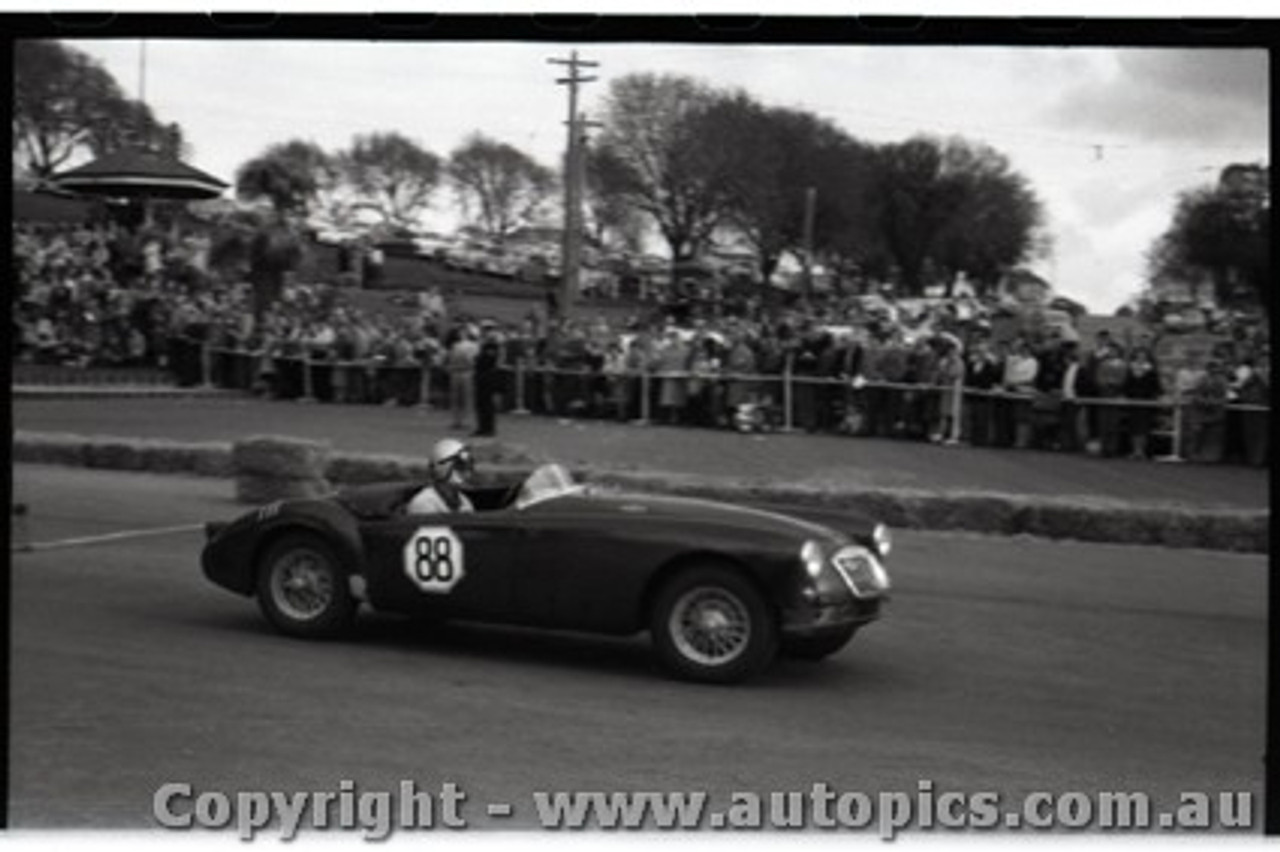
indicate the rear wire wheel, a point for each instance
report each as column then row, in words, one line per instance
column 302, row 588
column 711, row 624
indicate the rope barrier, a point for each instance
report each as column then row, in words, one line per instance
column 962, row 395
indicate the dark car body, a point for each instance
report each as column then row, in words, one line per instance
column 584, row 559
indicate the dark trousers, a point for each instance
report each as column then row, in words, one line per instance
column 486, row 412
column 1256, row 435
column 1003, row 421
column 977, row 419
column 1073, row 428
column 882, row 411
column 1205, row 431
column 1111, row 425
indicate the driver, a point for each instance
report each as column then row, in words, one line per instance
column 451, row 467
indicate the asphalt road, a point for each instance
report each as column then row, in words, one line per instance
column 1009, row 665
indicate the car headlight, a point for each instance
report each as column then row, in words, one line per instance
column 812, row 557
column 882, row 539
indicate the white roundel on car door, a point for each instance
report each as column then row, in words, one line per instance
column 434, row 559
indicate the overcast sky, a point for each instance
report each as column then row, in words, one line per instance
column 1107, row 136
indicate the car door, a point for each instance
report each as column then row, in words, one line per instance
column 579, row 570
column 456, row 565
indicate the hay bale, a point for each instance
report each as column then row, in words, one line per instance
column 1245, row 532
column 211, row 459
column 355, row 469
column 914, row 508
column 503, row 453
column 273, row 468
column 287, row 458
column 49, row 448
column 114, row 455
column 1054, row 520
column 1084, row 521
column 995, row 514
column 258, row 489
column 1175, row 528
column 887, row 507
column 167, row 457
column 984, row 513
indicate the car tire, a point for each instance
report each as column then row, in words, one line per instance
column 302, row 588
column 817, row 647
column 711, row 624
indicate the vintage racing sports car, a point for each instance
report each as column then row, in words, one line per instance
column 720, row 588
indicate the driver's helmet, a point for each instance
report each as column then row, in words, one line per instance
column 451, row 461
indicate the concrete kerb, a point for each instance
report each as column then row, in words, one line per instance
column 1082, row 518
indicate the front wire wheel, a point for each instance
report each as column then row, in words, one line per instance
column 711, row 624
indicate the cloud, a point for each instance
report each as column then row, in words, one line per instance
column 1207, row 97
column 1236, row 75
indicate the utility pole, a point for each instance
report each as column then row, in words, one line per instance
column 571, row 249
column 142, row 71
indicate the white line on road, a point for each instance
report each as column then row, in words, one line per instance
column 32, row 547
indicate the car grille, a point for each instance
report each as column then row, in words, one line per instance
column 861, row 571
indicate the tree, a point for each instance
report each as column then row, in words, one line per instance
column 391, row 175
column 775, row 156
column 65, row 105
column 665, row 166
column 997, row 222
column 1220, row 233
column 764, row 202
column 950, row 206
column 500, row 187
column 916, row 201
column 129, row 123
column 611, row 217
column 290, row 175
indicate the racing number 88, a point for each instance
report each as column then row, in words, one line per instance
column 433, row 562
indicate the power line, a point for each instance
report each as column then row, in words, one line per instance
column 857, row 116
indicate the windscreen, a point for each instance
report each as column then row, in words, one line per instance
column 546, row 483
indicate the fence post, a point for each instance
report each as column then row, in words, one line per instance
column 1175, row 451
column 206, row 364
column 307, row 395
column 644, row 398
column 957, row 411
column 786, row 396
column 424, row 384
column 520, row 408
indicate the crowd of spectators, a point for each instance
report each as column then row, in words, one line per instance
column 99, row 294
column 960, row 370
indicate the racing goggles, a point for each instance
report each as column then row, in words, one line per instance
column 460, row 463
